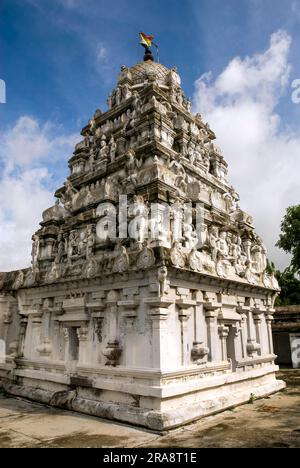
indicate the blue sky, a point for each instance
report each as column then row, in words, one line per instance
column 61, row 58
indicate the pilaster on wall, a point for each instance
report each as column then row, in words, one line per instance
column 158, row 313
column 212, row 309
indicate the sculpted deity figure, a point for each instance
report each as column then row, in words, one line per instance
column 69, row 195
column 60, row 248
column 199, row 117
column 136, row 102
column 118, row 95
column 239, row 259
column 138, row 226
column 198, row 156
column 191, row 152
column 213, row 241
column 231, row 199
column 205, row 159
column 162, row 280
column 103, row 152
column 81, row 242
column 190, row 236
column 54, row 273
column 259, row 257
column 177, row 255
column 90, row 241
column 132, row 164
column 223, row 244
column 92, row 125
column 177, row 219
column 91, row 162
column 112, row 149
column 195, row 260
column 179, row 97
column 72, row 244
column 179, row 170
column 146, row 258
column 121, row 262
column 126, row 92
column 35, row 251
column 30, row 277
column 19, row 281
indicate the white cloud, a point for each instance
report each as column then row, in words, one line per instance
column 103, row 64
column 264, row 160
column 70, row 4
column 101, row 52
column 26, row 150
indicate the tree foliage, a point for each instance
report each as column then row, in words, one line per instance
column 290, row 288
column 289, row 239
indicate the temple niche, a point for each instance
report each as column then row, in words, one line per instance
column 149, row 299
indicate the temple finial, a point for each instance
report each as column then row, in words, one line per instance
column 146, row 42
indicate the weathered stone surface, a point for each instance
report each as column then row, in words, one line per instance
column 148, row 299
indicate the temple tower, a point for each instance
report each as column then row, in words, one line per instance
column 149, row 299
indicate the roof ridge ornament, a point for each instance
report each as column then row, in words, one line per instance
column 147, row 42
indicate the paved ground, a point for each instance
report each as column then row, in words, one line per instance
column 271, row 422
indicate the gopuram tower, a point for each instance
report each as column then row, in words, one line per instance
column 149, row 299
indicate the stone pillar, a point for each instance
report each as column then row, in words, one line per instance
column 22, row 334
column 252, row 347
column 184, row 315
column 257, row 317
column 223, row 333
column 129, row 307
column 45, row 348
column 213, row 336
column 269, row 320
column 159, row 312
column 185, row 307
column 67, row 343
column 82, row 334
column 244, row 335
column 36, row 321
column 159, row 316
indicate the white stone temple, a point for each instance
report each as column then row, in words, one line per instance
column 149, row 299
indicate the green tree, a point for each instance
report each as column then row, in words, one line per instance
column 290, row 288
column 289, row 239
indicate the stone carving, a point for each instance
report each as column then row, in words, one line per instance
column 61, row 245
column 112, row 353
column 54, row 273
column 68, row 196
column 177, row 255
column 30, row 277
column 19, row 280
column 121, row 263
column 104, row 150
column 162, row 280
column 138, row 227
column 177, row 167
column 35, row 251
column 85, row 280
column 112, row 149
column 146, row 258
column 190, row 236
column 199, row 351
